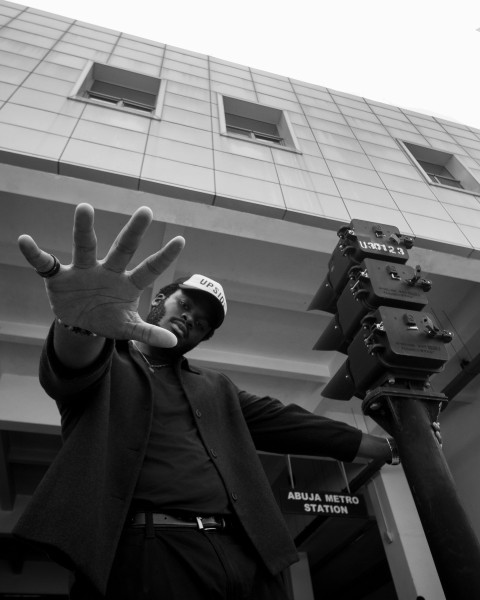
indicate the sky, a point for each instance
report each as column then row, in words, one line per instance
column 421, row 55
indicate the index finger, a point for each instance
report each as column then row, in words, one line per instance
column 154, row 265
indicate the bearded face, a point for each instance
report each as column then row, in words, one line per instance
column 157, row 312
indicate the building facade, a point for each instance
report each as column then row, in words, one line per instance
column 258, row 172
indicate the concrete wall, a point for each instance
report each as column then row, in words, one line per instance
column 348, row 162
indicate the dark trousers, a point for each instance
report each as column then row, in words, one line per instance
column 184, row 564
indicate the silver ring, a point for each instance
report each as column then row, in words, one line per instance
column 52, row 271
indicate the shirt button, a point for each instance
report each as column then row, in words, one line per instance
column 198, row 413
column 234, row 496
column 213, row 453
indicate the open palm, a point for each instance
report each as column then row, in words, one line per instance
column 101, row 295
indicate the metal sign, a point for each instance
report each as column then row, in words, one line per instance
column 328, row 504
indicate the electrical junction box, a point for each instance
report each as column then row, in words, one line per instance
column 358, row 241
column 372, row 283
column 398, row 341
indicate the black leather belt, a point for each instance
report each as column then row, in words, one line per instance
column 141, row 519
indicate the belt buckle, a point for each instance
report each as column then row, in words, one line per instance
column 219, row 525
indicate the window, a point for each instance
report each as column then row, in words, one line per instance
column 440, row 174
column 442, row 168
column 253, row 129
column 255, row 122
column 120, row 88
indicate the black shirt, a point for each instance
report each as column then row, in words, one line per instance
column 178, row 473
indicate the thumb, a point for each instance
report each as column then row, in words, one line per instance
column 153, row 335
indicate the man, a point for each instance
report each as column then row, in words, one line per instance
column 158, row 491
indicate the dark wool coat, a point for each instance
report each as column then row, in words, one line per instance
column 78, row 511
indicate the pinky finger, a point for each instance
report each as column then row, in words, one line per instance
column 40, row 260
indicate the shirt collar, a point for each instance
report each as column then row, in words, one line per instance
column 188, row 367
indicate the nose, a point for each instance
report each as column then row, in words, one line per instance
column 188, row 318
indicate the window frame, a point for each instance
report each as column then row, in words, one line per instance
column 452, row 163
column 256, row 135
column 286, row 140
column 127, row 79
column 438, row 177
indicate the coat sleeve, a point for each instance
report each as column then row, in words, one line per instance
column 290, row 429
column 66, row 385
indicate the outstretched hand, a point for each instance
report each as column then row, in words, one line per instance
column 101, row 295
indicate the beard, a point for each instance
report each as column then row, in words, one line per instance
column 156, row 313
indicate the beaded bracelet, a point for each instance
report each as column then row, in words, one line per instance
column 395, row 460
column 77, row 330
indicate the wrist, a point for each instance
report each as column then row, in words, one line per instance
column 76, row 330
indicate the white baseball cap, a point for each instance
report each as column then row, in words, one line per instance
column 211, row 287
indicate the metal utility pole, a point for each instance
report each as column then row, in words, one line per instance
column 393, row 346
column 453, row 544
